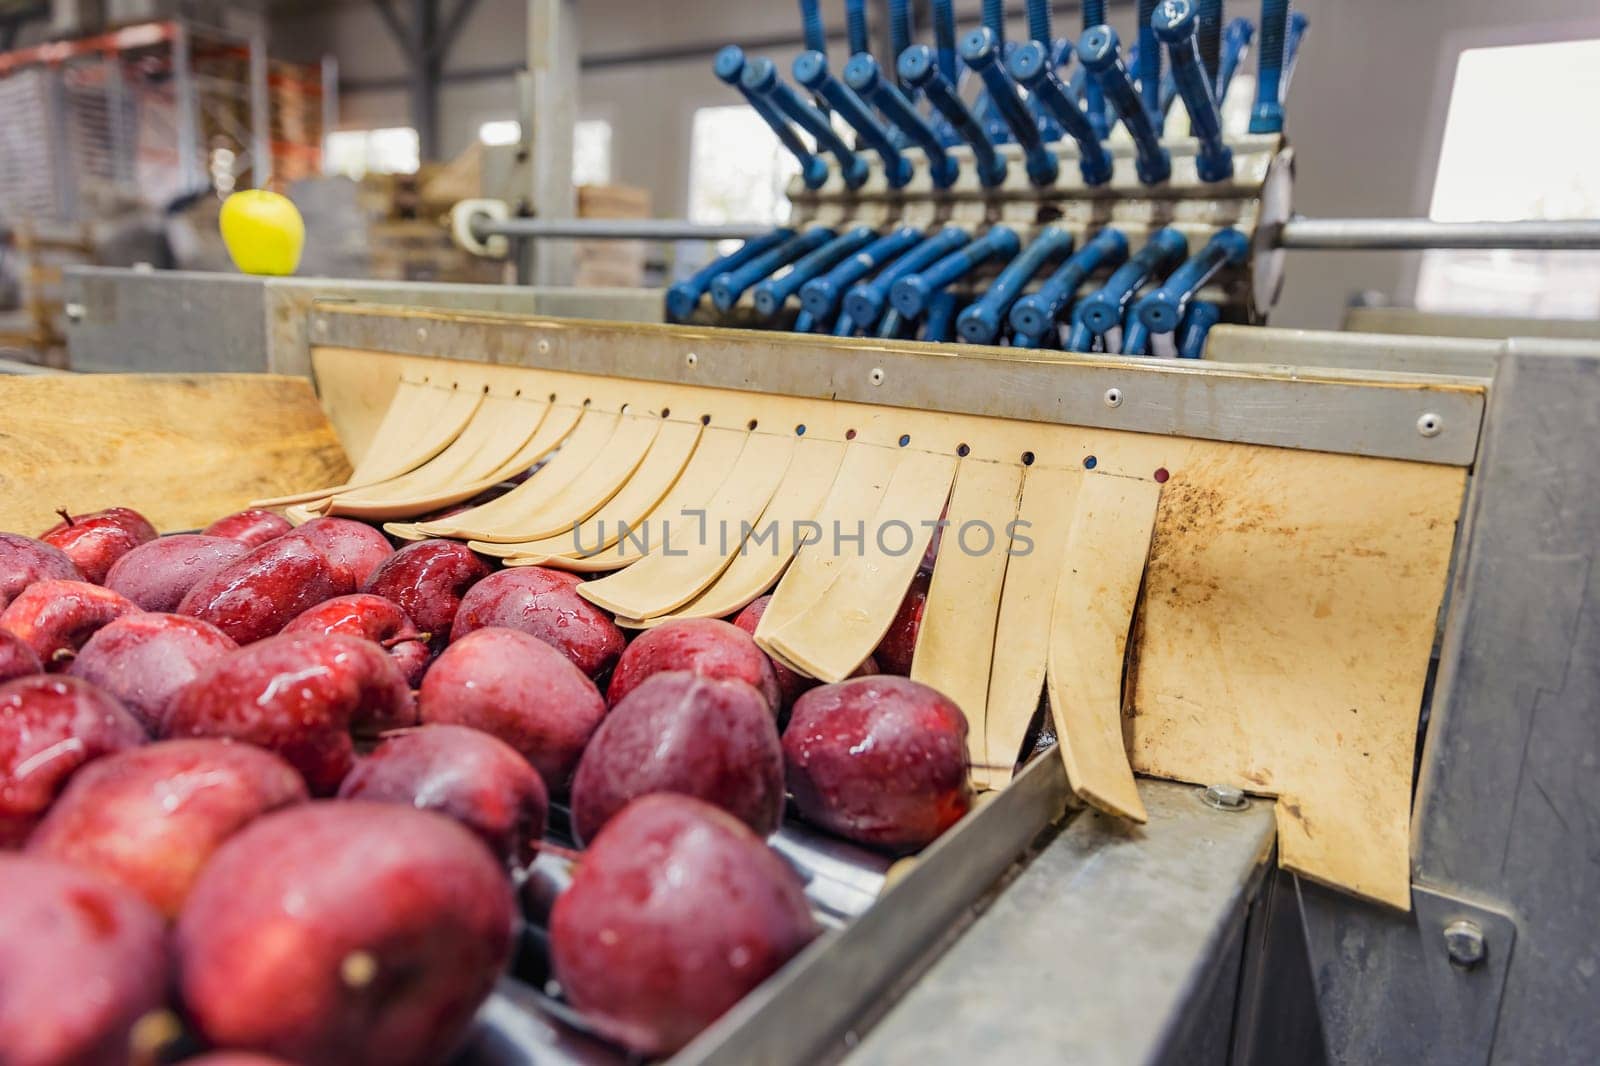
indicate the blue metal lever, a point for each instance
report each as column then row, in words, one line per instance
column 684, row 297
column 1100, row 53
column 917, row 67
column 1094, row 14
column 811, row 25
column 1163, row 309
column 1298, row 24
column 728, row 286
column 1030, row 66
column 865, row 301
column 811, row 70
column 1235, row 46
column 1102, row 311
column 980, row 49
column 1208, row 37
column 910, row 295
column 855, row 24
column 1148, row 64
column 761, row 78
column 1135, row 335
column 901, row 31
column 980, row 323
column 1175, row 22
column 822, row 296
column 1268, row 114
column 1035, row 315
column 862, row 75
column 944, row 35
column 1203, row 314
column 729, row 66
column 941, row 315
column 772, row 294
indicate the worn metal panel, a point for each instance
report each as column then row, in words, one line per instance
column 1109, row 948
column 1457, row 356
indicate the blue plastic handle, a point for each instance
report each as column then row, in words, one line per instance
column 1135, row 336
column 941, row 316
column 1175, row 22
column 1208, row 37
column 728, row 67
column 684, row 297
column 980, row 323
column 1100, row 52
column 772, row 294
column 911, row 294
column 1094, row 99
column 919, row 68
column 804, row 323
column 1203, row 314
column 1162, row 310
column 1267, row 117
column 761, row 78
column 980, row 49
column 1102, row 311
column 1081, row 337
column 855, row 24
column 1037, row 314
column 1235, row 46
column 1147, row 66
column 862, row 75
column 865, row 301
column 1029, row 65
column 844, row 326
column 811, row 71
column 944, row 35
column 816, row 34
column 1299, row 22
column 822, row 296
column 727, row 287
column 901, row 32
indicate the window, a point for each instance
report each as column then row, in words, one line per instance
column 737, row 169
column 1548, row 94
column 500, row 131
column 355, row 153
column 591, row 146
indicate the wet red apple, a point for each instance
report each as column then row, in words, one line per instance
column 144, row 659
column 300, row 695
column 790, row 683
column 545, row 604
column 679, row 732
column 24, row 560
column 878, row 760
column 521, row 690
column 56, row 618
column 261, row 593
column 149, row 818
column 371, row 618
column 252, row 528
column 899, row 644
column 49, row 727
column 676, row 912
column 465, row 774
column 709, row 647
column 94, row 542
column 81, row 961
column 354, row 548
column 159, row 574
column 16, row 658
column 336, row 933
column 428, row 579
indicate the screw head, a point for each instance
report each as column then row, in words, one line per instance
column 1464, row 943
column 544, row 347
column 1430, row 424
column 1225, row 798
column 422, row 333
column 876, row 377
column 322, row 325
column 75, row 311
column 691, row 359
column 1113, row 397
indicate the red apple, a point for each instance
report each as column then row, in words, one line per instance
column 371, row 618
column 879, row 760
column 353, row 547
column 427, row 579
column 81, row 961
column 264, row 591
column 899, row 644
column 299, row 695
column 521, row 690
column 49, row 727
column 144, row 659
column 16, row 658
column 56, row 618
column 24, row 560
column 159, row 574
column 149, row 818
column 335, row 933
column 545, row 604
column 709, row 647
column 675, row 913
column 465, row 774
column 790, row 683
column 679, row 732
column 94, row 542
column 252, row 528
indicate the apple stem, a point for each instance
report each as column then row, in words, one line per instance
column 358, row 969
column 65, row 517
column 63, row 655
column 396, row 641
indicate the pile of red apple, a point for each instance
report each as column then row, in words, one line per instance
column 273, row 787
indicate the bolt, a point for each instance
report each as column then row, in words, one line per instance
column 1429, row 425
column 322, row 325
column 1113, row 397
column 422, row 333
column 75, row 311
column 1464, row 942
column 876, row 377
column 1225, row 798
column 691, row 359
column 544, row 347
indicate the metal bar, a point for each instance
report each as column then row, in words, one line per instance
column 191, row 176
column 1420, row 234
column 425, row 69
column 260, row 114
column 401, row 32
column 620, row 229
column 330, row 104
column 440, row 47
